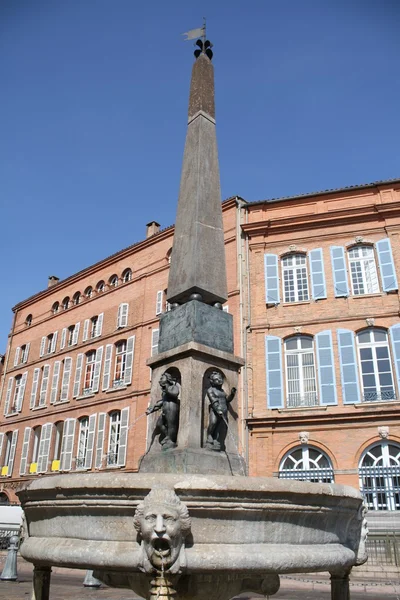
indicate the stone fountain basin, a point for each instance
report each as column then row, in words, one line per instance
column 256, row 525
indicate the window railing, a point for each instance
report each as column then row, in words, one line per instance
column 112, row 459
column 379, row 396
column 80, row 462
column 118, row 383
column 295, row 400
column 313, row 475
column 380, row 487
column 87, row 391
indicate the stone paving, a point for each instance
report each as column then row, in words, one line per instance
column 67, row 583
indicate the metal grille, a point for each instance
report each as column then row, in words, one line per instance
column 112, row 458
column 380, row 487
column 313, row 475
column 379, row 396
column 383, row 550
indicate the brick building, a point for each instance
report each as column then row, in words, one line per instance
column 313, row 289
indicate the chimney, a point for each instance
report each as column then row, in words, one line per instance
column 152, row 228
column 53, row 280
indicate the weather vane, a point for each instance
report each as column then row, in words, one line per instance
column 204, row 45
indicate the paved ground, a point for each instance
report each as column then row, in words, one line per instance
column 67, row 583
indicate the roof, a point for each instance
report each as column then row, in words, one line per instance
column 360, row 186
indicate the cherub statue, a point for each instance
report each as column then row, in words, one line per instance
column 168, row 421
column 218, row 412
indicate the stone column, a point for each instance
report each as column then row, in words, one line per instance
column 340, row 589
column 41, row 583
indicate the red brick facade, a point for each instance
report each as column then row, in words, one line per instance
column 305, row 385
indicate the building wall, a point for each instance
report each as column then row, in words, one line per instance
column 281, row 228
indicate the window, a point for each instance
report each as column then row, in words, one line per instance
column 113, row 281
column 94, row 321
column 76, row 298
column 15, row 395
column 120, row 363
column 57, row 444
column 48, row 344
column 122, row 316
column 295, row 279
column 55, row 308
column 113, row 438
column 101, row 286
column 10, row 443
column 89, row 370
column 364, row 276
column 305, row 463
column 17, row 391
column 28, row 321
column 379, row 474
column 82, row 442
column 65, row 303
column 89, row 292
column 375, row 364
column 154, row 341
column 73, row 334
column 35, row 450
column 127, row 275
column 24, row 353
column 300, row 372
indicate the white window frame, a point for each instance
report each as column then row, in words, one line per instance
column 306, row 397
column 122, row 356
column 374, row 345
column 306, row 468
column 385, row 470
column 83, row 438
column 296, row 270
column 114, row 438
column 92, row 364
column 368, row 270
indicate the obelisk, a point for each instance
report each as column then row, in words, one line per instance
column 195, row 348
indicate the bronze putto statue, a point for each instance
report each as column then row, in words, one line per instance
column 218, row 412
column 168, row 422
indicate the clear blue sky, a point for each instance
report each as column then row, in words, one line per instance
column 93, row 115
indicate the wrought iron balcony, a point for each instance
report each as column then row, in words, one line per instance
column 379, row 396
column 118, row 383
column 298, row 400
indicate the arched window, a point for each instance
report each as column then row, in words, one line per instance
column 55, row 308
column 379, row 473
column 301, row 382
column 89, row 292
column 65, row 303
column 101, row 286
column 375, row 365
column 295, row 278
column 305, row 463
column 127, row 275
column 113, row 281
column 28, row 320
column 364, row 275
column 76, row 298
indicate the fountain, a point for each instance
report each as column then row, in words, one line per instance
column 190, row 523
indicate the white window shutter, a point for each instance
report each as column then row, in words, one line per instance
column 63, row 338
column 100, row 440
column 122, row 319
column 54, row 382
column 130, row 352
column 75, row 335
column 44, row 448
column 90, row 442
column 66, row 378
column 25, row 450
column 123, row 437
column 1, row 443
column 54, row 342
column 17, row 355
column 45, row 383
column 154, row 341
column 26, row 353
column 107, row 367
column 67, row 445
column 78, row 375
column 35, row 382
column 97, row 369
column 8, row 395
column 86, row 326
column 119, row 316
column 159, row 302
column 21, row 393
column 99, row 326
column 43, row 345
column 12, row 452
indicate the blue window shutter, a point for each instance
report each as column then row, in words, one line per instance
column 273, row 354
column 386, row 265
column 395, row 339
column 339, row 271
column 348, row 367
column 318, row 285
column 326, row 368
column 271, row 279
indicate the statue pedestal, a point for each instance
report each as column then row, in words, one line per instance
column 191, row 364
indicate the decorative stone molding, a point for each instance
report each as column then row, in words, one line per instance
column 370, row 322
column 383, row 432
column 297, row 329
column 359, row 239
column 304, row 437
column 292, row 248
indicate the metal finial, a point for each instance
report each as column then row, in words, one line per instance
column 204, row 47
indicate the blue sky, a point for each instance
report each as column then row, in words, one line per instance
column 93, row 116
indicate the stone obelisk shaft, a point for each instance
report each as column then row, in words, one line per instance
column 198, row 255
